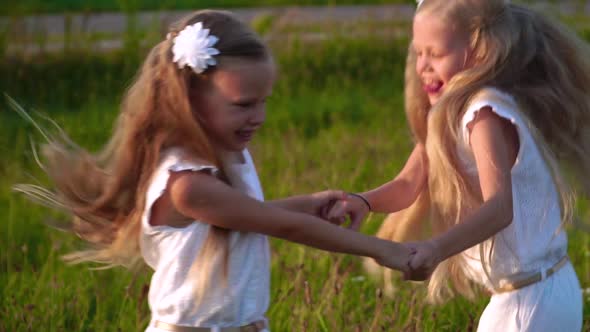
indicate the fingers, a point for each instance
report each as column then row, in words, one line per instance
column 421, row 263
column 338, row 210
column 332, row 195
column 335, row 206
column 356, row 221
column 418, row 260
column 411, row 246
column 323, row 213
column 337, row 221
column 406, row 269
column 324, row 202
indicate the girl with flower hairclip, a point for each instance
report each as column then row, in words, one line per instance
column 496, row 95
column 177, row 187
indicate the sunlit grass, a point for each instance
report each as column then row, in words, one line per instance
column 335, row 120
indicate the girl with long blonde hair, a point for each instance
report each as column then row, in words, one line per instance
column 496, row 95
column 176, row 187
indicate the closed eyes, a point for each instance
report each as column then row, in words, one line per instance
column 248, row 103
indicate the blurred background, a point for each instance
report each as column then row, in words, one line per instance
column 335, row 120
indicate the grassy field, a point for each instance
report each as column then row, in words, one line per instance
column 335, row 121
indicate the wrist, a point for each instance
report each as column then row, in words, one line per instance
column 382, row 249
column 363, row 199
column 437, row 249
column 306, row 203
column 300, row 203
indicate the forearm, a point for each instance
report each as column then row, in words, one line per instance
column 391, row 197
column 309, row 230
column 205, row 198
column 493, row 216
column 402, row 191
column 299, row 203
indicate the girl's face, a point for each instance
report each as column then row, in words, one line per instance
column 230, row 102
column 441, row 53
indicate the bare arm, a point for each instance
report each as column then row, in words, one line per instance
column 203, row 197
column 315, row 203
column 494, row 158
column 393, row 196
column 293, row 203
column 402, row 191
column 494, row 143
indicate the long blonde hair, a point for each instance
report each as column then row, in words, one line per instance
column 544, row 66
column 105, row 192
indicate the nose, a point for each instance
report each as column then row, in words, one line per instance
column 422, row 63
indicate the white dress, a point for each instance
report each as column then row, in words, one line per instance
column 172, row 251
column 533, row 241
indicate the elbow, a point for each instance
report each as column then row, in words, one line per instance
column 507, row 218
column 499, row 210
column 506, row 212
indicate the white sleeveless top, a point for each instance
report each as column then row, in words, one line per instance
column 172, row 251
column 534, row 240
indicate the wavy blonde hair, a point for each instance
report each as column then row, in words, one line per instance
column 105, row 192
column 544, row 66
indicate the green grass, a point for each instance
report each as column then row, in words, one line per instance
column 335, row 121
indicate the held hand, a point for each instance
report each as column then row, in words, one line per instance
column 394, row 255
column 322, row 202
column 352, row 206
column 425, row 259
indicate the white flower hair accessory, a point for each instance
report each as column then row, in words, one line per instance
column 193, row 47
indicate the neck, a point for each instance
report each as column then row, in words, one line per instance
column 232, row 157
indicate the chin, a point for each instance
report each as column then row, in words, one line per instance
column 238, row 147
column 232, row 146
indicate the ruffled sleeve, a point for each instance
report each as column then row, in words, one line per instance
column 499, row 102
column 172, row 161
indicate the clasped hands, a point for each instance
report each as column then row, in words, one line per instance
column 419, row 259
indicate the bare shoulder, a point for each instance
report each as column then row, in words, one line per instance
column 191, row 186
column 493, row 134
column 164, row 210
column 486, row 117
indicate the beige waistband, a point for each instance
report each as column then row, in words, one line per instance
column 252, row 327
column 509, row 284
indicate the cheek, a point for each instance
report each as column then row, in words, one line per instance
column 451, row 68
column 212, row 118
column 232, row 119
